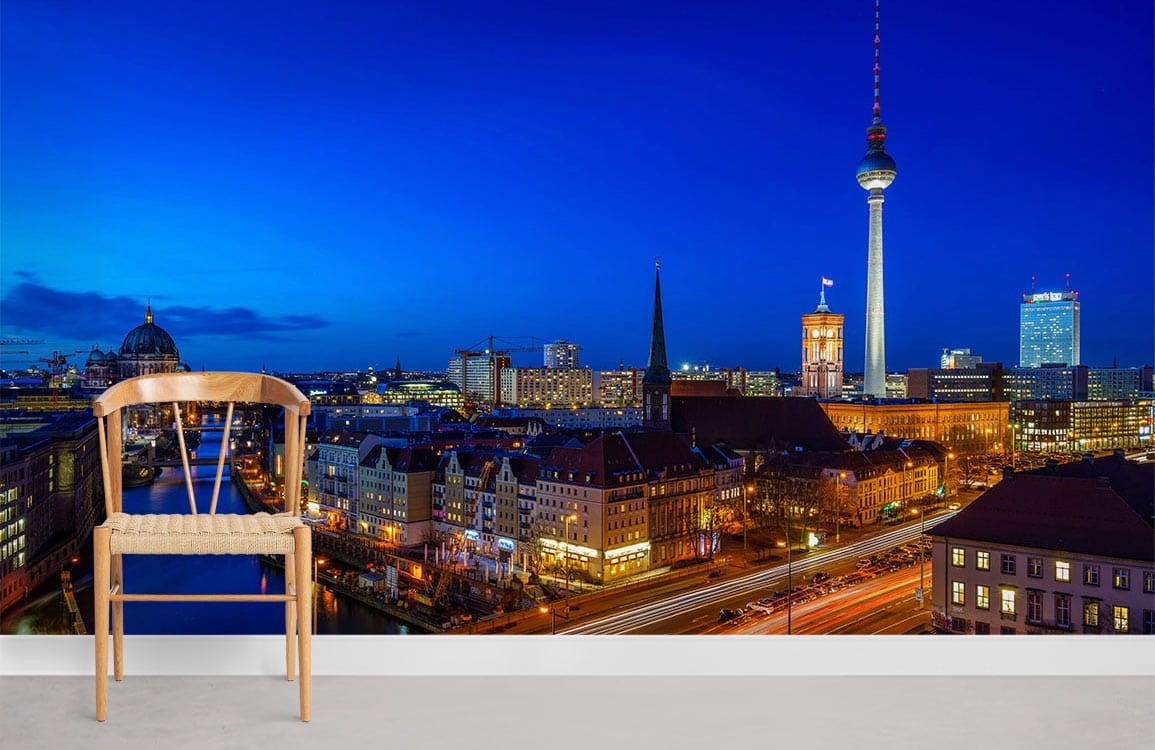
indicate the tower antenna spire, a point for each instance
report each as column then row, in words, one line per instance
column 877, row 110
column 875, row 172
column 1032, row 283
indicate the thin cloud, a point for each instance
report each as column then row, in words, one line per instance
column 32, row 307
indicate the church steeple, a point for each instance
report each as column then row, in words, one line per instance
column 657, row 368
column 656, row 383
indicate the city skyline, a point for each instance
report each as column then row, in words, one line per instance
column 437, row 177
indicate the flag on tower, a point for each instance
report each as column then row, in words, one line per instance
column 827, row 282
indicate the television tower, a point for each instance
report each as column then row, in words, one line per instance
column 875, row 173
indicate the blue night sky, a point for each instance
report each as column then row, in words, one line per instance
column 336, row 185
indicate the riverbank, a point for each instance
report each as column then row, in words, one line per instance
column 338, row 586
column 249, row 497
column 408, row 616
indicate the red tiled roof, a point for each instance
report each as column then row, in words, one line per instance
column 609, row 456
column 525, row 468
column 862, row 463
column 756, row 423
column 1084, row 514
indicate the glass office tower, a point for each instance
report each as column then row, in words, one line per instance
column 1049, row 329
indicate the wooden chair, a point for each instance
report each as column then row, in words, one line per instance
column 201, row 534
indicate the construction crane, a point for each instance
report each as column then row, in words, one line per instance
column 56, row 372
column 493, row 353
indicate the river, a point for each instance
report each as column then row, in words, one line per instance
column 181, row 574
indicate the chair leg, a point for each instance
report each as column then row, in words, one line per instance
column 118, row 619
column 303, row 547
column 290, row 619
column 101, row 572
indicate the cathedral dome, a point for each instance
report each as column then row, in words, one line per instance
column 148, row 339
column 95, row 356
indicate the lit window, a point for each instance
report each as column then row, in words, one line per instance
column 1091, row 575
column 1008, row 602
column 958, row 557
column 982, row 597
column 1121, row 617
column 982, row 560
column 1148, row 582
column 958, row 592
column 1122, row 578
column 1062, row 571
column 1091, row 614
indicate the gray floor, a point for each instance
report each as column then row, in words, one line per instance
column 586, row 712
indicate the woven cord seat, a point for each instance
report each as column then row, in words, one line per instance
column 186, row 534
column 197, row 533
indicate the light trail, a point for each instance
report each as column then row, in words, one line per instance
column 753, row 584
column 841, row 611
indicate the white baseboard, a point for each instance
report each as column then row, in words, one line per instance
column 496, row 655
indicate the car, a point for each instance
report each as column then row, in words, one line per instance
column 727, row 614
column 819, row 578
column 862, row 564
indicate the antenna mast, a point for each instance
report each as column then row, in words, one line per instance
column 877, row 109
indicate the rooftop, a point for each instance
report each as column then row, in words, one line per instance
column 1104, row 508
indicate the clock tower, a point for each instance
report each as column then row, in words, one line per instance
column 821, row 352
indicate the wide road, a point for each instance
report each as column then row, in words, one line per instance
column 697, row 611
column 884, row 605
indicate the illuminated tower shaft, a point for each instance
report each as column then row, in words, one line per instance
column 875, row 172
column 874, row 371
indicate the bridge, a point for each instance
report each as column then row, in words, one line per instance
column 212, row 461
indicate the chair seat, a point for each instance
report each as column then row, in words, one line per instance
column 202, row 534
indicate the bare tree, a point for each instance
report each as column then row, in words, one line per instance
column 702, row 522
column 970, row 468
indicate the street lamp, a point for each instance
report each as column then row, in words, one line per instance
column 745, row 520
column 946, row 478
column 552, row 619
column 317, row 561
column 553, row 615
column 567, row 520
column 789, row 582
column 902, row 484
column 838, row 512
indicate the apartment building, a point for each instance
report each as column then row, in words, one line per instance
column 1063, row 549
column 394, row 488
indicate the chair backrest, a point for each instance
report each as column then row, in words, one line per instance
column 179, row 387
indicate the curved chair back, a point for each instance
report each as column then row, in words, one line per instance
column 220, row 387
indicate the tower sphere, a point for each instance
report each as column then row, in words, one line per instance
column 876, row 170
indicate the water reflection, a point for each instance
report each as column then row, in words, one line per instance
column 222, row 574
